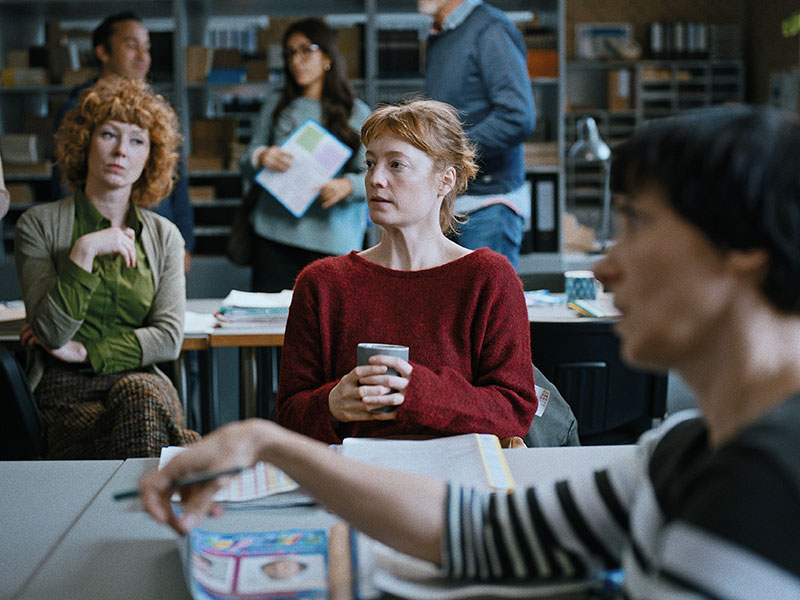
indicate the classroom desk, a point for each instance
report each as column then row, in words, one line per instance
column 114, row 550
column 40, row 502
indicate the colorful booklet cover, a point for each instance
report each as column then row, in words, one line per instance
column 288, row 564
column 317, row 155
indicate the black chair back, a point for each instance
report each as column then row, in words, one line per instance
column 612, row 402
column 21, row 430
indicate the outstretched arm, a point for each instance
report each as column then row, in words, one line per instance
column 402, row 510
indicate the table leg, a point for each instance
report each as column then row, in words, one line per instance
column 209, row 396
column 248, row 382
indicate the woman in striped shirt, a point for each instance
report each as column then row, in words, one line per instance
column 706, row 274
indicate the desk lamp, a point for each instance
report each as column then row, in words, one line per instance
column 590, row 149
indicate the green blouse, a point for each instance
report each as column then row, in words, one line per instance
column 112, row 300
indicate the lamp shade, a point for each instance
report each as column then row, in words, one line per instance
column 589, row 147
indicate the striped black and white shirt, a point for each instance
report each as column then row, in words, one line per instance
column 683, row 520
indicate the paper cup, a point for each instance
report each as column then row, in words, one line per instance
column 365, row 350
column 580, row 285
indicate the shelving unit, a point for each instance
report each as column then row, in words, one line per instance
column 23, row 23
column 656, row 89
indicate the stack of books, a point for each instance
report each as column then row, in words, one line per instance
column 245, row 309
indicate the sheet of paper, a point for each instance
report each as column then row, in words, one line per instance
column 470, row 459
column 280, row 299
column 13, row 310
column 261, row 480
column 317, row 156
column 194, row 322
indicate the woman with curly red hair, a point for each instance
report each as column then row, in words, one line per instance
column 103, row 282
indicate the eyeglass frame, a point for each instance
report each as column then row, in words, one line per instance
column 304, row 52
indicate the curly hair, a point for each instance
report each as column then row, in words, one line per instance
column 127, row 101
column 434, row 128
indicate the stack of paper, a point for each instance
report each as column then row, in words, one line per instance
column 244, row 309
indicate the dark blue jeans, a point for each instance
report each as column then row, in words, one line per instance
column 497, row 227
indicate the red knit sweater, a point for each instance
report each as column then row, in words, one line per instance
column 466, row 326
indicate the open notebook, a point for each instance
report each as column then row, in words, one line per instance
column 474, row 459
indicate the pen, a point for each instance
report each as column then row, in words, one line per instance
column 185, row 482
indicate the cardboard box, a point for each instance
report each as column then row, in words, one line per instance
column 274, row 33
column 349, row 41
column 21, row 193
column 19, row 77
column 620, row 89
column 542, row 63
column 205, row 163
column 257, row 69
column 213, row 137
column 75, row 77
column 198, row 63
column 17, row 59
column 227, row 57
column 202, row 193
column 20, row 148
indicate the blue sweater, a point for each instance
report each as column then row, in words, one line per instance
column 336, row 230
column 479, row 67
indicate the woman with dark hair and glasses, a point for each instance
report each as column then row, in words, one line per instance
column 316, row 87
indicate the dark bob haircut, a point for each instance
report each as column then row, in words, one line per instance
column 734, row 173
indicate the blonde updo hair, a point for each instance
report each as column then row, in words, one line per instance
column 434, row 128
column 115, row 98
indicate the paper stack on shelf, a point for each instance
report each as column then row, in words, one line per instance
column 244, row 309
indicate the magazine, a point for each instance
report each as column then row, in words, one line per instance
column 288, row 564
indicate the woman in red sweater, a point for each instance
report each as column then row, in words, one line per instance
column 462, row 313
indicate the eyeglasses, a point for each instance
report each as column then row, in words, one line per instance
column 303, row 51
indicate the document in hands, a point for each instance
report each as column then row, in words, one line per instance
column 317, row 155
column 473, row 459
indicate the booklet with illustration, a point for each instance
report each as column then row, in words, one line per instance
column 317, row 155
column 288, row 564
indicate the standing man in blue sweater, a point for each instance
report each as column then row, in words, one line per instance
column 476, row 62
column 121, row 46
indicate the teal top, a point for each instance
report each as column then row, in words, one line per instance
column 112, row 300
column 336, row 230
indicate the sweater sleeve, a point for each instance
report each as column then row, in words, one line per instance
column 161, row 335
column 302, row 403
column 501, row 397
column 505, row 76
column 555, row 530
column 35, row 256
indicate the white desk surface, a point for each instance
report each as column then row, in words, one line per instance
column 115, row 550
column 39, row 503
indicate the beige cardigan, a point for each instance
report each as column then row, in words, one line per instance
column 42, row 243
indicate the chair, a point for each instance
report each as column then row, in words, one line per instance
column 557, row 425
column 613, row 403
column 21, row 430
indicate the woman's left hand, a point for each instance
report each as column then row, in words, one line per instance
column 71, row 352
column 334, row 191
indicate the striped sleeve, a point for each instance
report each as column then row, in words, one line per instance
column 555, row 531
